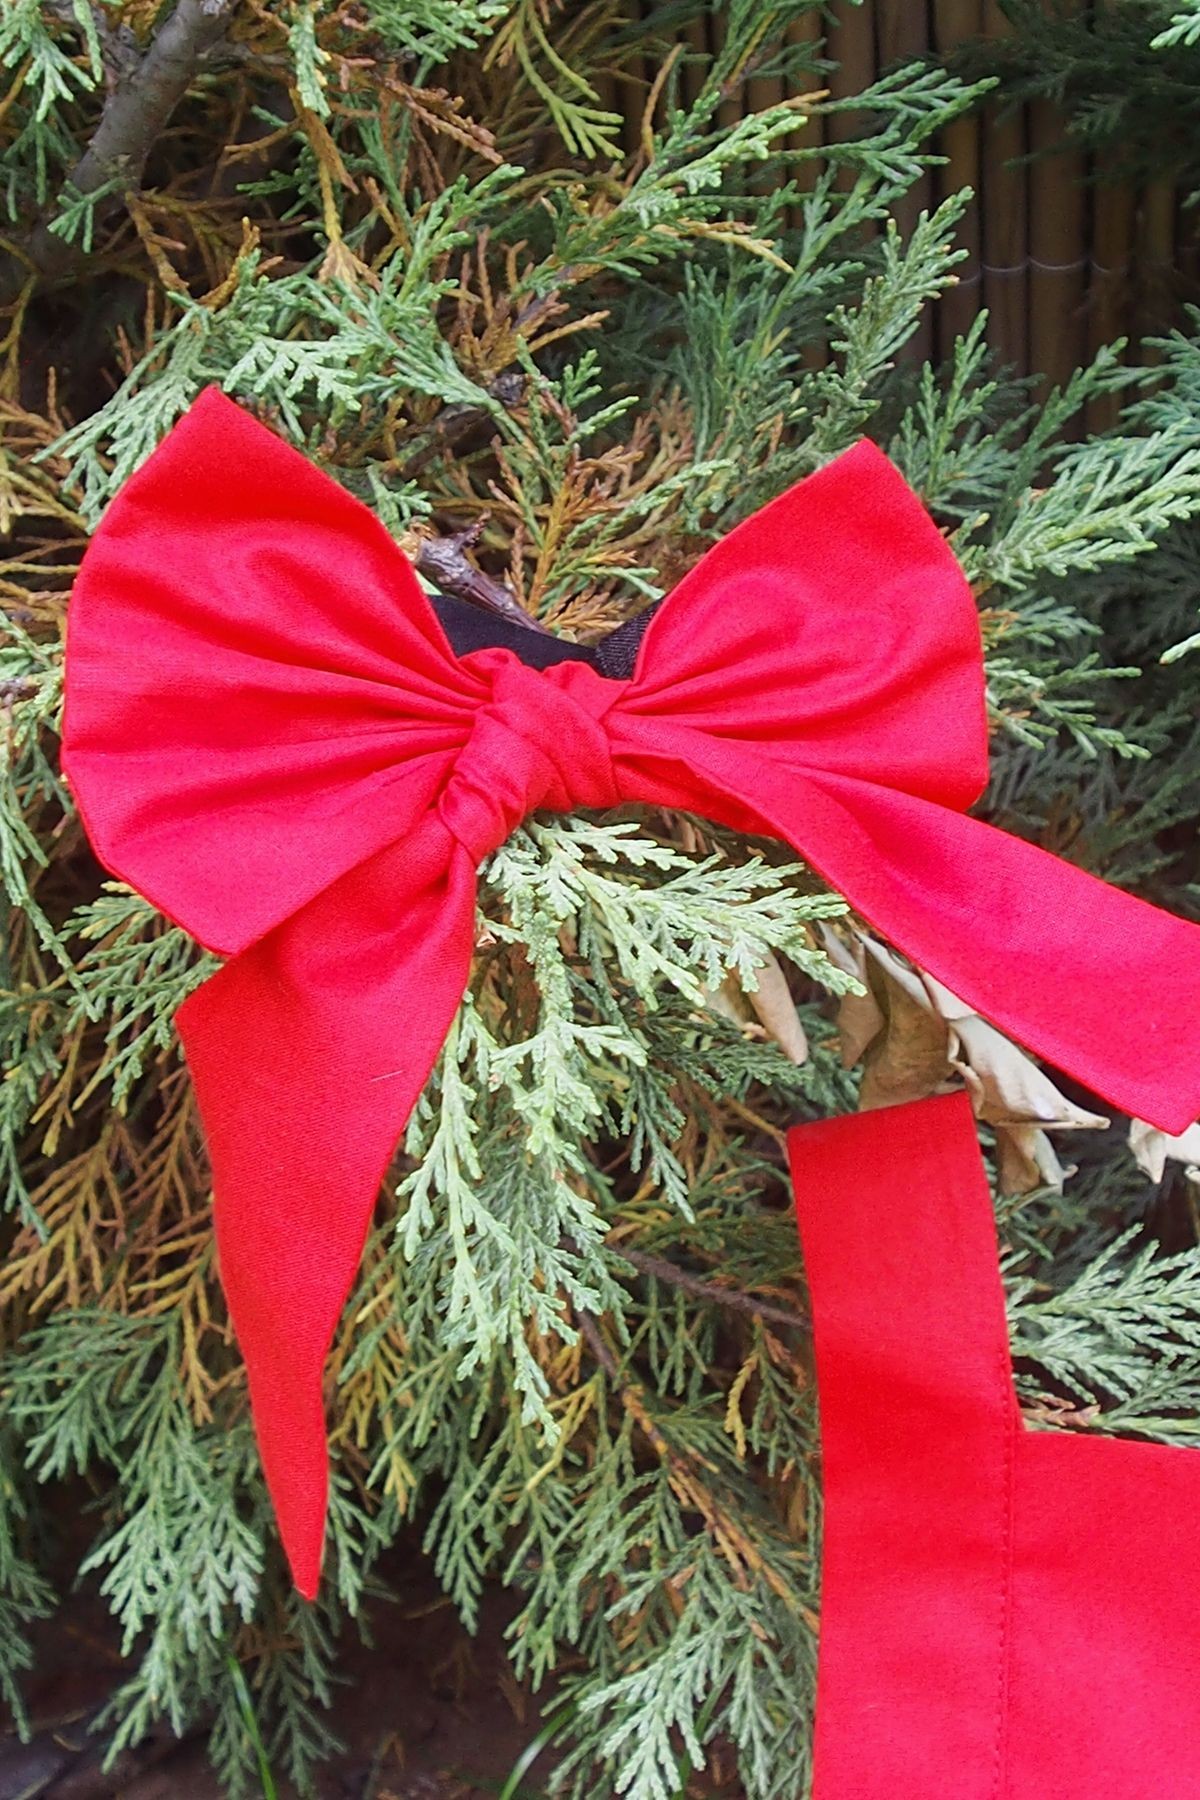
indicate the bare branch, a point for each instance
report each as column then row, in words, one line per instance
column 145, row 92
column 670, row 1273
column 596, row 1344
column 445, row 562
column 119, row 50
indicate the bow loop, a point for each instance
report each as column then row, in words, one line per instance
column 538, row 742
column 260, row 695
column 834, row 629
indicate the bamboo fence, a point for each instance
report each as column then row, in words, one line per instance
column 1062, row 259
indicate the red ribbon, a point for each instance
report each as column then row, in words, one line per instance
column 270, row 738
column 1006, row 1614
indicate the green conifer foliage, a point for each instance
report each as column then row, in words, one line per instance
column 1126, row 73
column 520, row 275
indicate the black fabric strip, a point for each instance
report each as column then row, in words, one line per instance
column 616, row 654
column 471, row 628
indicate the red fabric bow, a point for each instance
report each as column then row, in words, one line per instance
column 270, row 738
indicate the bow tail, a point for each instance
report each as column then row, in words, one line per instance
column 1100, row 984
column 308, row 1052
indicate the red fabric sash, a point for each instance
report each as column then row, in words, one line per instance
column 1004, row 1613
column 270, row 738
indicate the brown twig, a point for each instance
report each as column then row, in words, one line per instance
column 670, row 1273
column 687, row 1473
column 143, row 94
column 119, row 51
column 445, row 561
column 596, row 1344
column 456, row 422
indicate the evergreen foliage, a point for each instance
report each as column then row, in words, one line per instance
column 423, row 242
column 1126, row 78
column 1125, row 73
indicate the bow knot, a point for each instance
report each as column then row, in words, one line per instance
column 537, row 743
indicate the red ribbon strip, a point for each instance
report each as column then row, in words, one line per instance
column 270, row 738
column 1005, row 1614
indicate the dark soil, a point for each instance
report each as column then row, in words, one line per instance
column 426, row 1712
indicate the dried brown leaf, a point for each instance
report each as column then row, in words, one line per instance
column 775, row 1009
column 1153, row 1149
column 912, row 1036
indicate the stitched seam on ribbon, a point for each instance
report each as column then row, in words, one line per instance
column 1008, row 1478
